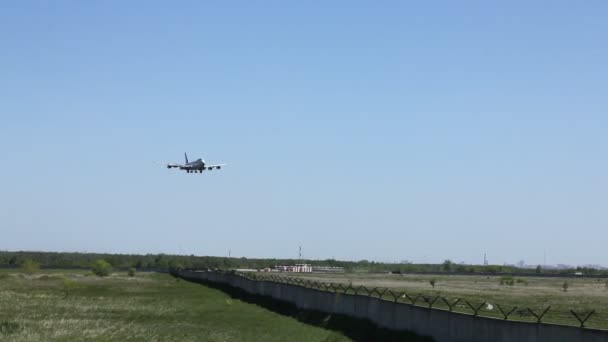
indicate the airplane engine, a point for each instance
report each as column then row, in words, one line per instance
column 218, row 167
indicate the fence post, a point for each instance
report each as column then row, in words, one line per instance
column 508, row 313
column 383, row 292
column 475, row 311
column 413, row 299
column 539, row 317
column 452, row 305
column 429, row 301
column 358, row 288
column 582, row 321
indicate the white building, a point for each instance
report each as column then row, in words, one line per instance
column 297, row 268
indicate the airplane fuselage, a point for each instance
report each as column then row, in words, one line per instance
column 198, row 165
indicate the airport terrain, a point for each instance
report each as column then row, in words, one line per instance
column 76, row 305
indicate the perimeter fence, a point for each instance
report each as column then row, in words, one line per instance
column 587, row 317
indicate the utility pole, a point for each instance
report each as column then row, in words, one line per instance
column 300, row 253
column 485, row 260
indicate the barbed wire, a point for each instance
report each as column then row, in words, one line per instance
column 437, row 302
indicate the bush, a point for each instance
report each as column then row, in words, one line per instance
column 102, row 268
column 131, row 272
column 447, row 265
column 432, row 282
column 507, row 280
column 7, row 327
column 565, row 286
column 30, row 266
column 68, row 285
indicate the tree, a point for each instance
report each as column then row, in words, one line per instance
column 447, row 265
column 565, row 286
column 102, row 268
column 131, row 272
column 538, row 269
column 13, row 260
column 432, row 282
column 29, row 266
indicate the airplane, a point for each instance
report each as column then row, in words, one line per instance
column 198, row 165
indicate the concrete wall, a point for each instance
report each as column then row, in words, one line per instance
column 439, row 324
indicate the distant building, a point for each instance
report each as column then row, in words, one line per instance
column 297, row 268
column 304, row 268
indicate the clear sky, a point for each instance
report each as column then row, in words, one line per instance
column 379, row 130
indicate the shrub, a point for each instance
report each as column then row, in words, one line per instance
column 102, row 268
column 565, row 286
column 447, row 265
column 432, row 282
column 30, row 266
column 7, row 327
column 507, row 280
column 131, row 272
column 68, row 285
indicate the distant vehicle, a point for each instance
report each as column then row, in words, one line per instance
column 198, row 165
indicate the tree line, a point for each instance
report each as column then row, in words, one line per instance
column 167, row 261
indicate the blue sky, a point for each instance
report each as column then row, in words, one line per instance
column 360, row 130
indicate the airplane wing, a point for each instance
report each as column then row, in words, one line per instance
column 169, row 166
column 215, row 166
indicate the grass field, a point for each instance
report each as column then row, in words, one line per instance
column 582, row 295
column 74, row 305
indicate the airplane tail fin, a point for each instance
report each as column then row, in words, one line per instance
column 186, row 156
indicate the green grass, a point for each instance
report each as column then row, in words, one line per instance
column 147, row 307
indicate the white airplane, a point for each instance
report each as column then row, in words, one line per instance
column 198, row 165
